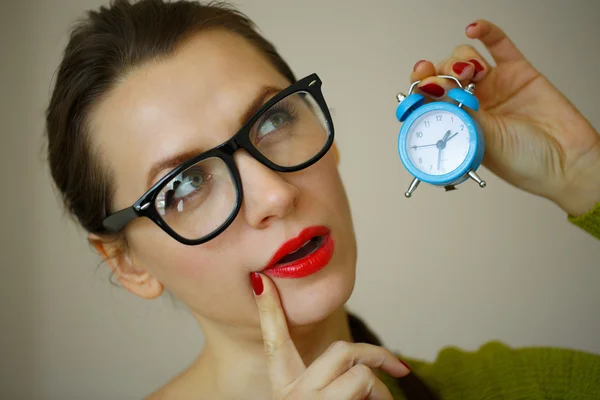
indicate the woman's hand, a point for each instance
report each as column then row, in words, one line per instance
column 535, row 138
column 342, row 372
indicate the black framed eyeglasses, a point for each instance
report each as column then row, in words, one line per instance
column 200, row 198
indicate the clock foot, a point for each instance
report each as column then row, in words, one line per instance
column 412, row 187
column 450, row 188
column 473, row 175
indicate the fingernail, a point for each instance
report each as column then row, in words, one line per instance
column 405, row 364
column 477, row 65
column 417, row 65
column 459, row 67
column 471, row 25
column 257, row 283
column 433, row 89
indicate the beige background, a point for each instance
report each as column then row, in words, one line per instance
column 456, row 269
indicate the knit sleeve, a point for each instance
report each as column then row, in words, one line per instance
column 589, row 222
column 496, row 371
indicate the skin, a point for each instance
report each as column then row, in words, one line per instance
column 536, row 140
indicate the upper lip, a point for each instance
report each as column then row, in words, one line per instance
column 297, row 242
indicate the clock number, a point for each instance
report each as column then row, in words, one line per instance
column 452, row 119
column 431, row 166
column 420, row 160
column 438, row 117
column 462, row 127
column 419, row 134
column 443, row 170
column 426, row 124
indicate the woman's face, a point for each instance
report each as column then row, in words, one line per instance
column 189, row 103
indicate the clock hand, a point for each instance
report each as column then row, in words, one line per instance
column 423, row 145
column 445, row 138
column 451, row 137
column 441, row 144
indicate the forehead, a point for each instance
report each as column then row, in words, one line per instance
column 191, row 100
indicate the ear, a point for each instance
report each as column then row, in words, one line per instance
column 133, row 277
column 336, row 153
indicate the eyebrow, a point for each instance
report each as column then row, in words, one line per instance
column 172, row 161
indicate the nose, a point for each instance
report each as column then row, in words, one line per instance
column 267, row 196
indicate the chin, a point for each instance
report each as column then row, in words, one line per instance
column 314, row 298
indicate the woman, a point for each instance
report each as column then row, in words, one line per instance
column 162, row 113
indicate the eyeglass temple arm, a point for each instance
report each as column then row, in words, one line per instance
column 118, row 220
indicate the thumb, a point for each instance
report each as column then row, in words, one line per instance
column 285, row 363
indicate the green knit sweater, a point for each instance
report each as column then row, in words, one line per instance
column 496, row 371
column 589, row 222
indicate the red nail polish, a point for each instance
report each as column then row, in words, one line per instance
column 417, row 64
column 459, row 67
column 257, row 283
column 477, row 65
column 471, row 25
column 433, row 89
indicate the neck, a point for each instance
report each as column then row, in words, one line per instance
column 233, row 359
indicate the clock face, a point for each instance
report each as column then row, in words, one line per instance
column 438, row 142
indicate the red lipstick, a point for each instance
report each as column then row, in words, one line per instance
column 303, row 255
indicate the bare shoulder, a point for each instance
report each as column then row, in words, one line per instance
column 182, row 386
column 171, row 390
column 160, row 394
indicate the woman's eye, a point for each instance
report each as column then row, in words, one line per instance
column 187, row 188
column 272, row 124
column 189, row 184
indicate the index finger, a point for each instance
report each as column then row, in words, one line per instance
column 495, row 40
column 285, row 363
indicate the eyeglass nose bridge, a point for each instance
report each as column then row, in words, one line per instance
column 238, row 142
column 231, row 146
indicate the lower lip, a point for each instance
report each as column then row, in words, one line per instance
column 305, row 266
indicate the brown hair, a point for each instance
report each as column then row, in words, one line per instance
column 101, row 49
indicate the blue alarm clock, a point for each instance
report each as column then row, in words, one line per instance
column 439, row 143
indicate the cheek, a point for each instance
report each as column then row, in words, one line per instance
column 325, row 186
column 164, row 257
column 196, row 275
